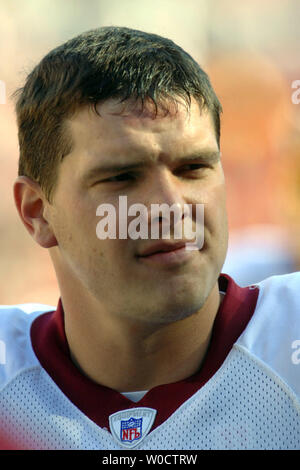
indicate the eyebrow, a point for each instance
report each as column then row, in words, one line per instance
column 205, row 156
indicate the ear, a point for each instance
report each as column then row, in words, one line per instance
column 31, row 203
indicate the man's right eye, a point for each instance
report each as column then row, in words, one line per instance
column 120, row 178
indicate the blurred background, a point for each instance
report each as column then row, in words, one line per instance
column 249, row 48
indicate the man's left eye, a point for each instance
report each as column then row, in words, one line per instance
column 192, row 167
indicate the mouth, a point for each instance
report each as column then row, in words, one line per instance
column 166, row 253
column 162, row 247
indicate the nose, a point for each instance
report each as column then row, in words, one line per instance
column 165, row 201
column 163, row 187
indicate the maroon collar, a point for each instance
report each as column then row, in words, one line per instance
column 98, row 402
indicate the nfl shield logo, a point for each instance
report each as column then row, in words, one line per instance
column 130, row 427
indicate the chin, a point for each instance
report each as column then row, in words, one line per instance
column 189, row 299
column 178, row 307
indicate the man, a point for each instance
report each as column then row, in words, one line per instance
column 150, row 347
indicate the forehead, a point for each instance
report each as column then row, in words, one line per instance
column 128, row 127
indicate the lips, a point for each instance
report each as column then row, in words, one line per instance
column 162, row 247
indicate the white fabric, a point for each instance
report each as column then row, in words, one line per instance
column 135, row 396
column 252, row 402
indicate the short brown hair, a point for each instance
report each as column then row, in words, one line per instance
column 99, row 64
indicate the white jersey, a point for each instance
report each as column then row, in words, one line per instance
column 251, row 400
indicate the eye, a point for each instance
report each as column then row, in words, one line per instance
column 120, row 178
column 192, row 168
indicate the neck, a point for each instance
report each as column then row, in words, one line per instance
column 129, row 356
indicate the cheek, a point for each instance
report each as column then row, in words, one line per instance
column 74, row 228
column 215, row 213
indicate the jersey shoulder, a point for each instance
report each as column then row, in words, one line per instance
column 272, row 336
column 16, row 353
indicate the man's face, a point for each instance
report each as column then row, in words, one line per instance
column 161, row 154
